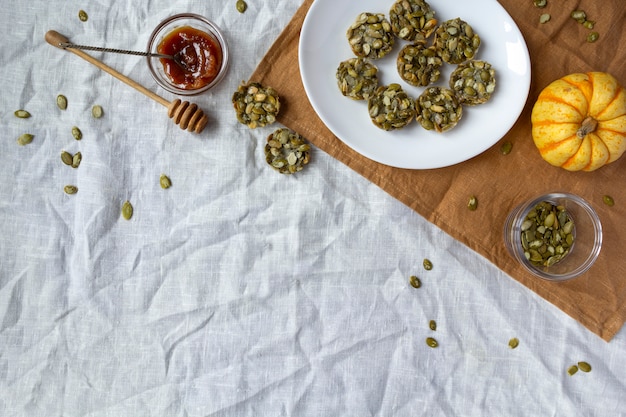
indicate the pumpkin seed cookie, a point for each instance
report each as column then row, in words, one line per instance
column 370, row 36
column 418, row 65
column 473, row 82
column 390, row 107
column 286, row 151
column 357, row 78
column 456, row 41
column 412, row 20
column 438, row 109
column 256, row 105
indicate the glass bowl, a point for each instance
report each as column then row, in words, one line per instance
column 167, row 27
column 587, row 237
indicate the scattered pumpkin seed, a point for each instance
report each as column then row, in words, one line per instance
column 67, row 158
column 415, row 281
column 506, row 148
column 127, row 210
column 76, row 159
column 584, row 366
column 608, row 200
column 589, row 24
column 472, row 204
column 70, row 189
column 592, row 37
column 579, row 15
column 61, row 102
column 432, row 342
column 78, row 135
column 514, row 342
column 82, row 15
column 572, row 370
column 22, row 114
column 241, row 6
column 165, row 181
column 96, row 111
column 433, row 325
column 544, row 18
column 428, row 265
column 540, row 3
column 25, row 139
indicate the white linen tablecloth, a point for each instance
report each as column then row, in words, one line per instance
column 238, row 291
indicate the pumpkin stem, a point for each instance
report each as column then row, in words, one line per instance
column 588, row 125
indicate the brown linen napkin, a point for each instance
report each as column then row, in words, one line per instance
column 598, row 298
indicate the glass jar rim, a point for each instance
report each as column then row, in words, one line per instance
column 215, row 32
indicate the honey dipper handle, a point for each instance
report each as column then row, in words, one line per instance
column 55, row 39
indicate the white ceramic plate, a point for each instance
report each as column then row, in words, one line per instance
column 323, row 45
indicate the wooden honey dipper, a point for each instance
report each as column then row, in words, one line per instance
column 185, row 114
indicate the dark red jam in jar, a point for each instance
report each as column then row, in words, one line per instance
column 199, row 57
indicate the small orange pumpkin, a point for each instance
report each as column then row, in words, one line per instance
column 579, row 121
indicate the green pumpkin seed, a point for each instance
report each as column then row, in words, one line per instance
column 96, row 111
column 66, row 157
column 415, row 281
column 127, row 210
column 572, row 370
column 428, row 265
column 506, row 148
column 544, row 18
column 579, row 15
column 592, row 37
column 165, row 181
column 25, row 139
column 589, row 24
column 608, row 200
column 432, row 325
column 82, row 15
column 22, row 114
column 61, row 102
column 472, row 204
column 241, row 6
column 513, row 343
column 70, row 189
column 584, row 366
column 76, row 159
column 78, row 135
column 547, row 234
column 432, row 342
column 540, row 3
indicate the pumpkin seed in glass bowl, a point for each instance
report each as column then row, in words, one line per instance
column 390, row 107
column 286, row 151
column 419, row 65
column 370, row 35
column 456, row 41
column 473, row 82
column 357, row 78
column 438, row 109
column 412, row 20
column 256, row 105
